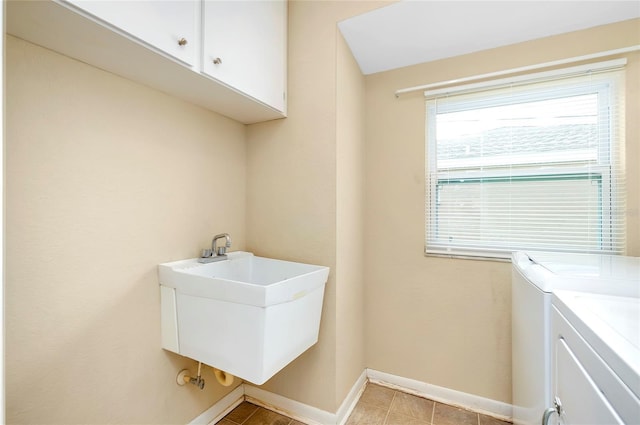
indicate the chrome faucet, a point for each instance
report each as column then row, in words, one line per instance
column 222, row 250
column 216, row 253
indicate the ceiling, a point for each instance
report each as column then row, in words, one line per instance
column 411, row 32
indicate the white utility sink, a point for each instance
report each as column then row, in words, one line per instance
column 246, row 315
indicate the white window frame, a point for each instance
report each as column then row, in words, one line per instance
column 601, row 169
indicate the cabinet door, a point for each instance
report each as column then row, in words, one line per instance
column 582, row 402
column 244, row 47
column 167, row 25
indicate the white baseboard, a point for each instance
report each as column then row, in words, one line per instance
column 472, row 402
column 303, row 412
column 221, row 408
column 291, row 408
column 350, row 401
column 294, row 409
column 314, row 416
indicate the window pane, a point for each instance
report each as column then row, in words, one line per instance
column 545, row 131
column 524, row 213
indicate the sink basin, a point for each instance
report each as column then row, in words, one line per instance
column 244, row 278
column 249, row 316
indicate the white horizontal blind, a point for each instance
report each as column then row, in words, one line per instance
column 532, row 163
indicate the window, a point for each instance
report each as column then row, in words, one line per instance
column 530, row 163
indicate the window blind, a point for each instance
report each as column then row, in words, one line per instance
column 532, row 162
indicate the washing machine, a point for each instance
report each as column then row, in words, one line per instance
column 535, row 276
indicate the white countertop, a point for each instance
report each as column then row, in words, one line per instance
column 605, row 274
column 590, row 266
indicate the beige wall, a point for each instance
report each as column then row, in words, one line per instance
column 104, row 180
column 124, row 175
column 294, row 206
column 350, row 143
column 446, row 321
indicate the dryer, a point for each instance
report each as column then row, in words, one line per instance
column 535, row 276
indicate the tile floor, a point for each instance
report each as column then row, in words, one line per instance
column 385, row 406
column 250, row 414
column 378, row 406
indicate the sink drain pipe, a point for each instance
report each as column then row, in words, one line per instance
column 225, row 379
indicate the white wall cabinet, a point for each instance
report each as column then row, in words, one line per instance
column 171, row 45
column 244, row 46
column 169, row 26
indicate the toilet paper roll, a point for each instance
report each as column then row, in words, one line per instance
column 223, row 378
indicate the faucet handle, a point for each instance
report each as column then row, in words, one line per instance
column 222, row 250
column 206, row 253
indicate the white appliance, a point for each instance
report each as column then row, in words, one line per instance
column 535, row 275
column 596, row 368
